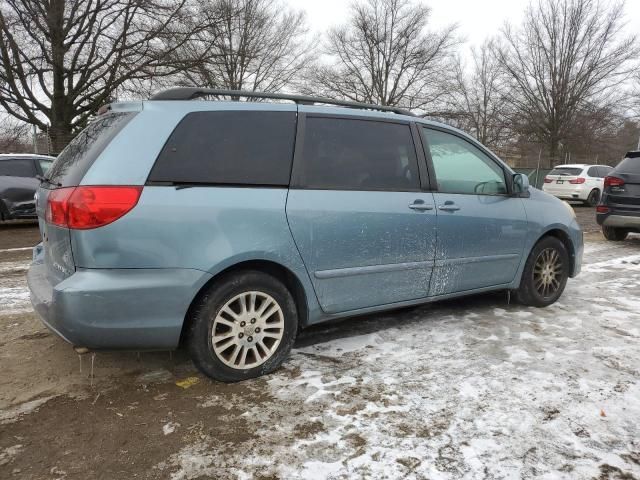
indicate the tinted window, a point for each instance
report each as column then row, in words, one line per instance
column 604, row 170
column 461, row 167
column 17, row 168
column 45, row 165
column 349, row 154
column 74, row 161
column 629, row 165
column 593, row 172
column 246, row 148
column 568, row 171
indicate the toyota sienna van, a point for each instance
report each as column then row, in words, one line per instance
column 227, row 226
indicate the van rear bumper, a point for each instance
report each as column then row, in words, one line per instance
column 115, row 309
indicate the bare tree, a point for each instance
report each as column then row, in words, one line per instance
column 566, row 57
column 252, row 45
column 61, row 60
column 386, row 55
column 477, row 101
column 13, row 135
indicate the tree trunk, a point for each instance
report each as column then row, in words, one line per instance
column 60, row 130
column 60, row 134
column 553, row 151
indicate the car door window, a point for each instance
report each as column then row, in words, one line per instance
column 460, row 167
column 593, row 172
column 352, row 154
column 17, row 168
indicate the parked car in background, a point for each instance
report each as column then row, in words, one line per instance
column 577, row 182
column 230, row 225
column 19, row 182
column 619, row 210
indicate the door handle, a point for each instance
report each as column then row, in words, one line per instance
column 420, row 205
column 449, row 207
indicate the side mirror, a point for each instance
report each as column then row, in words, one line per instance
column 520, row 183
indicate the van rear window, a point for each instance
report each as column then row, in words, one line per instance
column 229, row 148
column 77, row 157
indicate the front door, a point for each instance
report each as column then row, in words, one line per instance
column 362, row 223
column 481, row 228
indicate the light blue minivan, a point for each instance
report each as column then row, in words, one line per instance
column 228, row 226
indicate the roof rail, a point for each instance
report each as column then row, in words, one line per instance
column 190, row 93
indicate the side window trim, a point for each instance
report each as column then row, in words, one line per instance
column 506, row 173
column 421, row 156
column 297, row 179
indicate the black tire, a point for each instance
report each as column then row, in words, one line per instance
column 593, row 198
column 614, row 234
column 209, row 305
column 4, row 214
column 532, row 290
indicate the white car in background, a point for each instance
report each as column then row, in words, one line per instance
column 577, row 182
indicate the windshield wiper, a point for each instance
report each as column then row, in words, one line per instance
column 47, row 181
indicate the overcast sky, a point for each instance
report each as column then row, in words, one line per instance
column 476, row 19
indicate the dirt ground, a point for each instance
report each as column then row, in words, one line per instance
column 472, row 388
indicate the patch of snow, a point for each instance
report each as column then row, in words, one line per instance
column 169, row 428
column 12, row 414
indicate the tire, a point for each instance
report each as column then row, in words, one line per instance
column 541, row 283
column 593, row 198
column 614, row 234
column 221, row 306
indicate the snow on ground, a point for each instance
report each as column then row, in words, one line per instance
column 14, row 295
column 473, row 388
column 476, row 389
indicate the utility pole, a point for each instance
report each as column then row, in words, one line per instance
column 34, row 138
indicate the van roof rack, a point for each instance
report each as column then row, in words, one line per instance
column 190, row 93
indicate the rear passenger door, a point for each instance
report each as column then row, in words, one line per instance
column 481, row 227
column 363, row 223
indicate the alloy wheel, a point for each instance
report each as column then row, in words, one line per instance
column 547, row 272
column 247, row 330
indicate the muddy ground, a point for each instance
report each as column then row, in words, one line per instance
column 473, row 388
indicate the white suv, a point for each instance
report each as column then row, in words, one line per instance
column 577, row 182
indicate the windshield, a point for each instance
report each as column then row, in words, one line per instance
column 629, row 165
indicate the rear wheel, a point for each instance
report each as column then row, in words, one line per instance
column 614, row 234
column 593, row 198
column 244, row 326
column 545, row 273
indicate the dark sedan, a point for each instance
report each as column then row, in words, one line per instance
column 619, row 208
column 19, row 182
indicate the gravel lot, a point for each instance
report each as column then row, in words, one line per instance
column 472, row 388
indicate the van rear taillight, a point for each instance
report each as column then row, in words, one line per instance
column 613, row 182
column 83, row 208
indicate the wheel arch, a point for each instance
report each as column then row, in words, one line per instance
column 277, row 270
column 566, row 241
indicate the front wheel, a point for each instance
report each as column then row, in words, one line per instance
column 614, row 234
column 545, row 273
column 243, row 327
